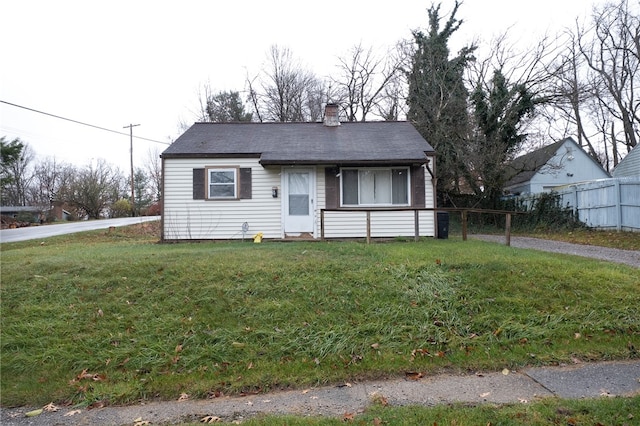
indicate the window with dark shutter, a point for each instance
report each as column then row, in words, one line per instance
column 198, row 184
column 221, row 183
column 417, row 187
column 245, row 183
column 332, row 185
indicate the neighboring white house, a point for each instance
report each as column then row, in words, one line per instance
column 561, row 163
column 629, row 166
column 236, row 180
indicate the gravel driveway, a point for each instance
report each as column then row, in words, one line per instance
column 628, row 257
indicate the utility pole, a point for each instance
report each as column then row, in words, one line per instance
column 133, row 200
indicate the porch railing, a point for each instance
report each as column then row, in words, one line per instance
column 416, row 218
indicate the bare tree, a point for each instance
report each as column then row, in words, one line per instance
column 612, row 56
column 285, row 91
column 365, row 82
column 153, row 168
column 93, row 189
column 50, row 177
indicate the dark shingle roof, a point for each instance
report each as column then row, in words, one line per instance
column 523, row 168
column 304, row 143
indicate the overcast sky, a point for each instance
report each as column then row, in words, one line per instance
column 119, row 62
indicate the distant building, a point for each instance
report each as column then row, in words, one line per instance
column 561, row 163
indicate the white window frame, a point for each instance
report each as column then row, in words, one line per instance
column 209, row 184
column 370, row 169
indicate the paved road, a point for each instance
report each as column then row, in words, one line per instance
column 37, row 232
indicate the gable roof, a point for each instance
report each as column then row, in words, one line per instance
column 630, row 164
column 387, row 142
column 523, row 168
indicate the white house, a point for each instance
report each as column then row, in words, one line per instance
column 235, row 180
column 561, row 163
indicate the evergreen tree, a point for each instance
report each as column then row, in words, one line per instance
column 225, row 107
column 499, row 110
column 438, row 97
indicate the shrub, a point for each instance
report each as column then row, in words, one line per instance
column 121, row 208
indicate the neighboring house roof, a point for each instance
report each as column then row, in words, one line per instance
column 524, row 168
column 305, row 143
column 20, row 209
column 630, row 164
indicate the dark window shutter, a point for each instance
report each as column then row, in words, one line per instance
column 332, row 187
column 245, row 183
column 198, row 184
column 417, row 187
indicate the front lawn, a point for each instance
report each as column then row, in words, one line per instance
column 103, row 318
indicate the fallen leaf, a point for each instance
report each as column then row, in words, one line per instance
column 577, row 336
column 100, row 313
column 348, row 417
column 375, row 346
column 413, row 375
column 34, row 413
column 178, row 348
column 50, row 407
column 522, row 400
column 484, row 395
column 305, row 391
column 210, row 419
column 377, row 421
column 97, row 404
column 140, row 422
column 183, row 397
column 72, row 413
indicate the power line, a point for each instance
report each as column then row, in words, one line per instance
column 80, row 122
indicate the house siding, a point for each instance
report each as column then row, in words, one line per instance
column 384, row 224
column 630, row 165
column 560, row 170
column 185, row 218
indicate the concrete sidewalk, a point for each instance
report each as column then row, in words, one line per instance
column 576, row 381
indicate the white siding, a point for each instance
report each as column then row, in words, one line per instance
column 384, row 224
column 630, row 165
column 569, row 165
column 186, row 218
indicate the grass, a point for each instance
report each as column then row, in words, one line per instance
column 606, row 411
column 106, row 318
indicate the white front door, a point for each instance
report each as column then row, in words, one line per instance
column 298, row 200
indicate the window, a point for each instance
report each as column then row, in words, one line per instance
column 375, row 187
column 221, row 183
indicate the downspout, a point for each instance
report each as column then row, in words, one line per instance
column 434, row 185
column 162, row 195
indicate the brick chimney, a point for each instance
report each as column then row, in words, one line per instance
column 331, row 118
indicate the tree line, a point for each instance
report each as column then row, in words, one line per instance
column 479, row 107
column 95, row 190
